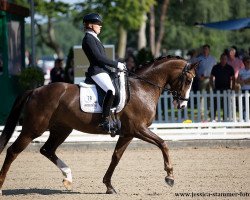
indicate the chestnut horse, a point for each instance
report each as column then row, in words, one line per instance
column 56, row 107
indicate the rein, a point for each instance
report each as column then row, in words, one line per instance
column 176, row 95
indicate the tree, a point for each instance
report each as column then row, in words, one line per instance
column 152, row 29
column 127, row 17
column 161, row 27
column 181, row 32
column 122, row 16
column 51, row 11
column 142, row 39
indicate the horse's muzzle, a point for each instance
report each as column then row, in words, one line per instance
column 180, row 104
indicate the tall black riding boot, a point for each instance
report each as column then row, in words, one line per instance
column 106, row 110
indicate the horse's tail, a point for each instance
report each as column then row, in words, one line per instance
column 13, row 119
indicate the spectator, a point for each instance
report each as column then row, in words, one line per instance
column 222, row 78
column 57, row 73
column 69, row 72
column 27, row 58
column 236, row 63
column 192, row 54
column 222, row 75
column 203, row 73
column 130, row 63
column 204, row 68
column 236, row 51
column 244, row 79
column 69, row 68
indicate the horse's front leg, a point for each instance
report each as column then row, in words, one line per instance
column 121, row 146
column 148, row 136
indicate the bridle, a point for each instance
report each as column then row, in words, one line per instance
column 175, row 93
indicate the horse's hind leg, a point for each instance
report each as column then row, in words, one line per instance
column 12, row 152
column 56, row 138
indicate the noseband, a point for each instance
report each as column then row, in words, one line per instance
column 176, row 95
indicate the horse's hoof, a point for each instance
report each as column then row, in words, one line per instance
column 169, row 181
column 67, row 184
column 111, row 191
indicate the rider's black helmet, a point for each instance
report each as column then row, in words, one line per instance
column 92, row 18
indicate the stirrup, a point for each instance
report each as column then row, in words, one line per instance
column 113, row 127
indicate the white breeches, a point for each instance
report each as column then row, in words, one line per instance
column 104, row 81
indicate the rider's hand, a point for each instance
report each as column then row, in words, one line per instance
column 121, row 66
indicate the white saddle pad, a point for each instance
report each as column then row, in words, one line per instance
column 89, row 98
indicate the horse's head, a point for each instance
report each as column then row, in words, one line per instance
column 169, row 71
column 181, row 84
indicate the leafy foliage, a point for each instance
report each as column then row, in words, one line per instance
column 129, row 13
column 31, row 77
column 180, row 32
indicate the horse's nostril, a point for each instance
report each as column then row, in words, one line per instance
column 183, row 106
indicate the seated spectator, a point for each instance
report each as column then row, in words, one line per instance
column 57, row 73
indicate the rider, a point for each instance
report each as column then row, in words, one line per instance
column 97, row 70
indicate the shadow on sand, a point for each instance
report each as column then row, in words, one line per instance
column 36, row 191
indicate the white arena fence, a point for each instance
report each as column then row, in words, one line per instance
column 200, row 120
column 228, row 106
column 167, row 131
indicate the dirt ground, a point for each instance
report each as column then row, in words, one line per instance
column 139, row 175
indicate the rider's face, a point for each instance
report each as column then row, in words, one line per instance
column 97, row 28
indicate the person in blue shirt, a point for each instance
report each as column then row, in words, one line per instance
column 204, row 68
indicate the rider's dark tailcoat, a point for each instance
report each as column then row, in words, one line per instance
column 95, row 52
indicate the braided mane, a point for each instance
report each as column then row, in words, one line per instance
column 159, row 59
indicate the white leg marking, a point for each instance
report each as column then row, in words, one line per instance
column 66, row 171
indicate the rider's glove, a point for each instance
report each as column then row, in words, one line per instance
column 121, row 66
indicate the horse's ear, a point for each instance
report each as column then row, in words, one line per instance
column 194, row 65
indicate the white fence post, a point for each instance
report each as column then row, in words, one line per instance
column 212, row 106
column 233, row 106
column 240, row 107
column 246, row 106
